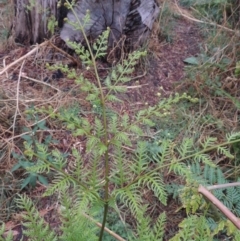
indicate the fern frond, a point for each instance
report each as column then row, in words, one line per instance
column 40, row 167
column 113, row 123
column 120, row 171
column 220, row 176
column 93, row 144
column 9, row 236
column 196, row 168
column 179, row 168
column 75, row 225
column 210, row 174
column 76, row 169
column 58, row 159
column 218, row 193
column 143, row 232
column 92, row 97
column 193, row 226
column 233, row 136
column 94, row 172
column 81, row 51
column 42, row 150
column 98, row 128
column 89, row 87
column 131, row 197
column 117, row 89
column 140, row 160
column 37, row 229
column 223, row 150
column 148, row 122
column 159, row 226
column 205, row 158
column 122, row 138
column 210, row 141
column 165, row 155
column 100, row 45
column 186, row 147
column 112, row 98
column 135, row 129
column 155, row 183
column 61, row 182
column 108, row 81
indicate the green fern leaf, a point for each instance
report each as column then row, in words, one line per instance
column 210, row 141
column 224, row 151
column 205, row 158
column 123, row 138
column 131, row 197
column 37, row 229
column 136, row 130
column 186, row 147
column 233, row 136
column 155, row 183
column 112, row 98
column 159, row 226
column 9, row 236
column 60, row 183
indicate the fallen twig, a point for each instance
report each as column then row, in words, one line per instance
column 66, row 54
column 23, row 57
column 40, row 82
column 233, row 184
column 17, row 111
column 219, row 205
column 205, row 22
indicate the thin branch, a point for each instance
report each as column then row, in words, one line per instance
column 66, row 54
column 17, row 111
column 220, row 206
column 127, row 87
column 40, row 82
column 233, row 184
column 204, row 22
column 23, row 57
column 116, row 236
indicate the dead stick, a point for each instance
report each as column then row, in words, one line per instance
column 116, row 236
column 233, row 184
column 220, row 206
column 66, row 54
column 204, row 22
column 23, row 57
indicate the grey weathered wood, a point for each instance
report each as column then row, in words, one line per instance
column 132, row 18
column 103, row 14
column 30, row 23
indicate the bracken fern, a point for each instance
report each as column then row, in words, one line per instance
column 115, row 167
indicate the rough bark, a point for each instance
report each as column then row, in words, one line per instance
column 30, row 23
column 130, row 20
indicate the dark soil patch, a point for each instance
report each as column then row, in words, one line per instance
column 166, row 67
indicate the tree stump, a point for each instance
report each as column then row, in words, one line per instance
column 131, row 20
column 31, row 20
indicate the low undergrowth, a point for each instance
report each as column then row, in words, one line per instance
column 124, row 168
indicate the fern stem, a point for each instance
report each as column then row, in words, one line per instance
column 104, row 116
column 119, row 77
column 179, row 160
column 104, row 221
column 64, row 174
